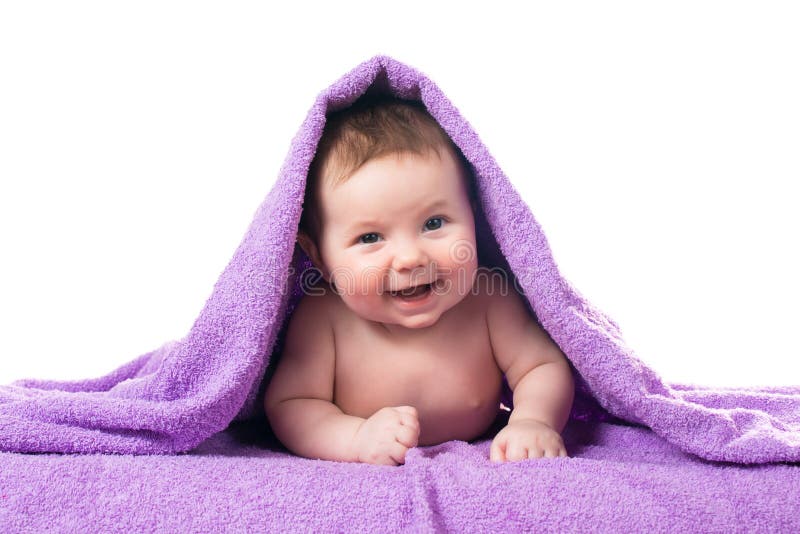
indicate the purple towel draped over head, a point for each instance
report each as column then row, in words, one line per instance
column 171, row 399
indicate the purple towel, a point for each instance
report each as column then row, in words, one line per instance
column 173, row 398
column 619, row 479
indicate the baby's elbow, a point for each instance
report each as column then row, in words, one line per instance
column 276, row 416
column 569, row 384
column 569, row 378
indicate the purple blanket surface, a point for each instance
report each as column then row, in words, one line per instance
column 640, row 447
column 619, row 479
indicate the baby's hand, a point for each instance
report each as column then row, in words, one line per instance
column 386, row 436
column 526, row 438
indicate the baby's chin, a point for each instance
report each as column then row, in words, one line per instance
column 418, row 323
column 383, row 313
column 410, row 322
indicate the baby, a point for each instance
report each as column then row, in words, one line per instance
column 401, row 343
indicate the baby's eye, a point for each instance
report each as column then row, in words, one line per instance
column 437, row 223
column 369, row 238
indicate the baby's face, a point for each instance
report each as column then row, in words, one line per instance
column 400, row 221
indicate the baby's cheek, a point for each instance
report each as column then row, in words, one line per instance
column 462, row 252
column 344, row 281
column 369, row 281
column 460, row 277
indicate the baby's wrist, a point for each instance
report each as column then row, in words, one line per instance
column 352, row 452
column 524, row 418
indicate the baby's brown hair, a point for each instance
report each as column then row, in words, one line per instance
column 373, row 127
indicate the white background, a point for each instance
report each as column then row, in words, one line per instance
column 658, row 146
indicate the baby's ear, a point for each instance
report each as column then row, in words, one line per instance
column 311, row 250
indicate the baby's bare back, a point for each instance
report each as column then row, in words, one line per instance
column 446, row 371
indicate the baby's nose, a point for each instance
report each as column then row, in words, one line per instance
column 409, row 256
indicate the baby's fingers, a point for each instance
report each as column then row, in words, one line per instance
column 398, row 454
column 408, row 436
column 555, row 453
column 516, row 451
column 410, row 421
column 497, row 453
column 407, row 410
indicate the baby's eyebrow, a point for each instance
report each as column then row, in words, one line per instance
column 362, row 224
column 435, row 204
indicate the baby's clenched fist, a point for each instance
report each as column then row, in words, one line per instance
column 526, row 438
column 386, row 436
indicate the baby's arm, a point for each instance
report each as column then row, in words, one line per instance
column 298, row 400
column 539, row 376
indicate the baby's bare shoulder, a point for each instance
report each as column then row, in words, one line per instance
column 306, row 365
column 314, row 308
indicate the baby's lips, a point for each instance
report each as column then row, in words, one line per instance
column 409, row 290
column 418, row 276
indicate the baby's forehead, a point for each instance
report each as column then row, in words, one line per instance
column 335, row 173
column 332, row 195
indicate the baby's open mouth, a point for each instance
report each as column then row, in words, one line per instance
column 412, row 293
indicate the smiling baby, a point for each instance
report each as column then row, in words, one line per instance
column 401, row 342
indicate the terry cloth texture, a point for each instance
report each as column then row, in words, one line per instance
column 618, row 479
column 173, row 398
